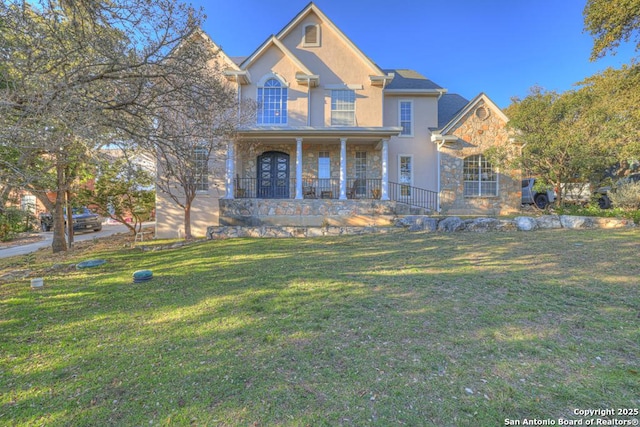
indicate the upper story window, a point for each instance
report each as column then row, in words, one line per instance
column 311, row 35
column 343, row 107
column 405, row 115
column 480, row 179
column 272, row 103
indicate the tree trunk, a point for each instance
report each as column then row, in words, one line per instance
column 69, row 218
column 187, row 221
column 59, row 243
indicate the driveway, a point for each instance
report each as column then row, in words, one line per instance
column 107, row 230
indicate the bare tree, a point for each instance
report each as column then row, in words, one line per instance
column 78, row 75
column 193, row 125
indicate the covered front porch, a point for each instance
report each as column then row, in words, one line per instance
column 309, row 163
column 314, row 177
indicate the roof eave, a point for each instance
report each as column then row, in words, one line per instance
column 416, row 92
column 381, row 81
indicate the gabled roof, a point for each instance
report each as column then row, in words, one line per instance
column 273, row 41
column 303, row 76
column 232, row 71
column 469, row 107
column 204, row 36
column 410, row 80
column 448, row 106
column 311, row 7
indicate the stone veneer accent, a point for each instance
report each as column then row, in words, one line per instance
column 475, row 136
column 311, row 212
column 426, row 224
column 247, row 158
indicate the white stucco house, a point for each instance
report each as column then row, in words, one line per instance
column 338, row 139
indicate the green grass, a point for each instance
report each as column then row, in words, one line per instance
column 353, row 331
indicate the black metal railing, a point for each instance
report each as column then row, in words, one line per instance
column 413, row 196
column 321, row 188
column 357, row 188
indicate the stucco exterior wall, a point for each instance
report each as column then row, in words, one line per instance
column 336, row 64
column 205, row 207
column 424, row 152
column 475, row 136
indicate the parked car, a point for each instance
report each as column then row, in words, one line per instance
column 530, row 195
column 603, row 192
column 83, row 219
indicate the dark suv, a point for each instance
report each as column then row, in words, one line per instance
column 603, row 192
column 83, row 219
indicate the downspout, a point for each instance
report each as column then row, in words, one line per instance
column 439, row 145
column 439, row 173
column 239, row 96
column 384, row 84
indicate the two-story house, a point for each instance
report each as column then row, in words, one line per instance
column 339, row 140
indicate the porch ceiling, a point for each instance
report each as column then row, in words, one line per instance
column 311, row 134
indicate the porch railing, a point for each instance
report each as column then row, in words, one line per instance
column 413, row 196
column 357, row 188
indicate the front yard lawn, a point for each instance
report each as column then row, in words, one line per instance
column 402, row 329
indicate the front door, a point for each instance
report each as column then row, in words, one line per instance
column 273, row 175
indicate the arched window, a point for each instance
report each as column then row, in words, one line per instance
column 480, row 179
column 272, row 103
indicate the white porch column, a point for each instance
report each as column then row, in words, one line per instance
column 231, row 170
column 299, row 168
column 384, row 193
column 343, row 168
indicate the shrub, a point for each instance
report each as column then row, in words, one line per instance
column 13, row 221
column 626, row 196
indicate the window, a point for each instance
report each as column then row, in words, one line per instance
column 324, row 165
column 343, row 107
column 28, row 203
column 406, row 175
column 201, row 173
column 311, row 35
column 479, row 177
column 272, row 103
column 406, row 118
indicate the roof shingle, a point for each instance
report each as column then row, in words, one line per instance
column 410, row 79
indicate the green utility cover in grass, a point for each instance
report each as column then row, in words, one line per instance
column 90, row 263
column 142, row 275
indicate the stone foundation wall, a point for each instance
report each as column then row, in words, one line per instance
column 309, row 212
column 426, row 224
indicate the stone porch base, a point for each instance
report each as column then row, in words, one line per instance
column 312, row 212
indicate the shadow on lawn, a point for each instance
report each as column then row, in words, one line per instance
column 333, row 331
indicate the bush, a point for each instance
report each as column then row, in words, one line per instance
column 626, row 196
column 593, row 209
column 14, row 221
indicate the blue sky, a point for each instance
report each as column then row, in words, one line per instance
column 500, row 47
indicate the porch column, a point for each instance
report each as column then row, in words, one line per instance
column 384, row 193
column 343, row 169
column 231, row 170
column 298, row 168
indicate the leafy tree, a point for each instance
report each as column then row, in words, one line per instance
column 123, row 191
column 559, row 136
column 611, row 22
column 617, row 92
